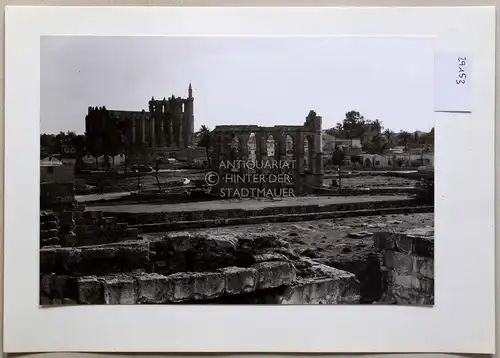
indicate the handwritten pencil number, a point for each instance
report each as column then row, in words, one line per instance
column 462, row 76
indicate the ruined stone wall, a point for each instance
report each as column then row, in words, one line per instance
column 232, row 143
column 191, row 268
column 408, row 263
column 199, row 215
column 80, row 228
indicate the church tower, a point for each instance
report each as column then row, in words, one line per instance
column 189, row 113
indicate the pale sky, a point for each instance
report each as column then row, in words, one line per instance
column 240, row 80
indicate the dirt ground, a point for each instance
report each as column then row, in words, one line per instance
column 323, row 239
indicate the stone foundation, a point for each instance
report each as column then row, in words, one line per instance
column 192, row 268
column 408, row 263
column 133, row 218
column 82, row 228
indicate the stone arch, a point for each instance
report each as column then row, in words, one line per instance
column 367, row 162
column 252, row 146
column 289, row 145
column 271, row 146
column 234, row 147
column 308, row 151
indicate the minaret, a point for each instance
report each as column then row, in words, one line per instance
column 189, row 113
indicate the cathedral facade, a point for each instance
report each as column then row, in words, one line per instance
column 167, row 126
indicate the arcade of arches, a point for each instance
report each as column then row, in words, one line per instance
column 298, row 146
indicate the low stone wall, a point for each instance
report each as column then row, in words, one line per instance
column 190, row 268
column 189, row 225
column 408, row 263
column 80, row 228
column 165, row 217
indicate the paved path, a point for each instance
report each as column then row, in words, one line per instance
column 105, row 196
column 247, row 204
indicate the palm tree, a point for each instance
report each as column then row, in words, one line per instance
column 204, row 136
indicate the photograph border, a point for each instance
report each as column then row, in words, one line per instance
column 263, row 329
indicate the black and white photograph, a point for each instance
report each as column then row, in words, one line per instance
column 236, row 170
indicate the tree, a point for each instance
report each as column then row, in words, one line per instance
column 378, row 125
column 204, row 136
column 389, row 136
column 377, row 146
column 404, row 138
column 158, row 161
column 338, row 156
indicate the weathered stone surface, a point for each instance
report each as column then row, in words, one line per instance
column 208, row 285
column 255, row 242
column 47, row 216
column 409, row 264
column 45, row 234
column 90, row 290
column 154, row 288
column 48, row 225
column 119, row 290
column 53, row 241
column 270, row 257
column 407, row 296
column 239, row 280
column 59, row 260
column 423, row 285
column 274, row 274
column 95, row 260
column 182, row 286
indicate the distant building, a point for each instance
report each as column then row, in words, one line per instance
column 54, row 170
column 143, row 136
column 397, row 160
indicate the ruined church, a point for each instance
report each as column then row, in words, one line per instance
column 142, row 135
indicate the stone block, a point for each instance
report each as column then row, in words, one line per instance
column 46, row 234
column 107, row 259
column 274, row 274
column 90, row 290
column 259, row 241
column 409, row 264
column 328, row 291
column 420, row 284
column 47, row 216
column 182, row 287
column 154, row 288
column 406, row 296
column 49, row 225
column 119, row 290
column 425, row 267
column 60, row 260
column 239, row 280
column 52, row 241
column 68, row 240
column 269, row 257
column 404, row 244
column 208, row 285
column 383, row 240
